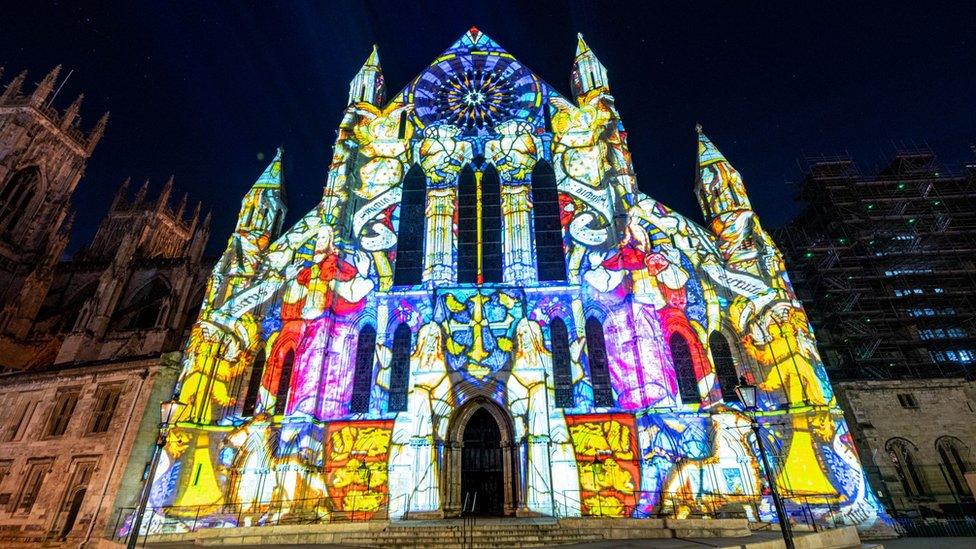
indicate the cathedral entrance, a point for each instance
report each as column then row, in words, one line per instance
column 481, row 465
column 480, row 462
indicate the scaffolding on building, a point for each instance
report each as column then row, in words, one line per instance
column 886, row 265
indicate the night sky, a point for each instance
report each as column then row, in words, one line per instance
column 207, row 90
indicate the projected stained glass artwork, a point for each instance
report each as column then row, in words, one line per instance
column 484, row 301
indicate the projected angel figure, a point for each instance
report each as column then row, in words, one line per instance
column 415, row 431
column 535, row 420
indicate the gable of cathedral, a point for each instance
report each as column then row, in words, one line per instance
column 482, row 256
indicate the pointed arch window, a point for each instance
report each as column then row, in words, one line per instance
column 17, row 195
column 363, row 382
column 561, row 364
column 491, row 226
column 254, row 384
column 684, row 369
column 145, row 308
column 410, row 241
column 284, row 382
column 955, row 462
column 399, row 369
column 902, row 455
column 599, row 372
column 546, row 225
column 467, row 245
column 724, row 366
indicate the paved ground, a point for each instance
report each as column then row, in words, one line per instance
column 698, row 543
column 673, row 543
column 930, row 543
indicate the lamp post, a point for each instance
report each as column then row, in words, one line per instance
column 747, row 396
column 167, row 411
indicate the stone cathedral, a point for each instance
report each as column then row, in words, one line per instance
column 484, row 311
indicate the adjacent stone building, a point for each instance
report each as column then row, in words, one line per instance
column 83, row 341
column 915, row 438
column 66, row 437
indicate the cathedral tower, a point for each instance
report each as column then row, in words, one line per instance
column 43, row 154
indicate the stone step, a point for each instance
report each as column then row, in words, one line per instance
column 449, row 537
column 472, row 544
column 475, row 539
column 477, row 532
column 486, row 523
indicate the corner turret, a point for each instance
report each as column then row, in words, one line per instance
column 588, row 72
column 743, row 243
column 45, row 87
column 718, row 186
column 367, row 86
column 263, row 207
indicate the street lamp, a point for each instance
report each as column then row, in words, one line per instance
column 167, row 412
column 747, row 394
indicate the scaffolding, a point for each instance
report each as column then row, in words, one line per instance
column 886, row 267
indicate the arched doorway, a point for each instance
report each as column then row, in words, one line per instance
column 481, row 458
column 482, row 472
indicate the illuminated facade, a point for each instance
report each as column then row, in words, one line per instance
column 483, row 302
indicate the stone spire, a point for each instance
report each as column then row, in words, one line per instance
column 588, row 73
column 121, row 193
column 45, row 87
column 164, row 195
column 718, row 186
column 71, row 113
column 195, row 218
column 367, row 86
column 97, row 132
column 14, row 87
column 263, row 206
column 141, row 193
column 181, row 209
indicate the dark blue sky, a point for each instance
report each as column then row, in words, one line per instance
column 200, row 89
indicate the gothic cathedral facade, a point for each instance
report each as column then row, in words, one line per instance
column 485, row 312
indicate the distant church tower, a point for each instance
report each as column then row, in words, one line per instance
column 43, row 154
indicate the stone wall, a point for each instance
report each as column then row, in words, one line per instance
column 29, row 402
column 922, row 414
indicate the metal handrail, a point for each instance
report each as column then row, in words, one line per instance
column 191, row 518
column 817, row 511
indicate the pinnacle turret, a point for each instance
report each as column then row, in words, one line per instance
column 97, row 132
column 71, row 113
column 367, row 86
column 263, row 208
column 165, row 194
column 718, row 186
column 588, row 73
column 14, row 87
column 141, row 193
column 45, row 87
column 121, row 193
